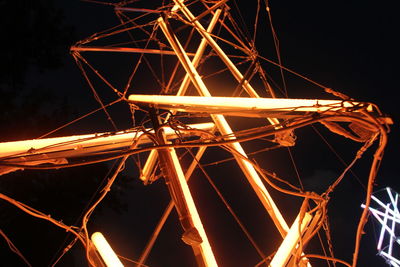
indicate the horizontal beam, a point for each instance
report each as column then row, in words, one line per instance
column 249, row 107
column 124, row 50
column 81, row 145
column 142, row 10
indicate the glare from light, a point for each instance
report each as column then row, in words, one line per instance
column 106, row 252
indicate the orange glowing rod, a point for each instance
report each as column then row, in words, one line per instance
column 106, row 252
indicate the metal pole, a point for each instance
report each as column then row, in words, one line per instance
column 168, row 209
column 194, row 233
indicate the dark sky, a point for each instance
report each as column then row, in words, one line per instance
column 350, row 47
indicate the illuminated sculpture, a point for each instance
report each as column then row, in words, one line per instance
column 385, row 211
column 251, row 96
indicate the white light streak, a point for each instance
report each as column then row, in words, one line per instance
column 389, row 217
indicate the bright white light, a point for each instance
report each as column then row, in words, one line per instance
column 106, row 252
column 388, row 217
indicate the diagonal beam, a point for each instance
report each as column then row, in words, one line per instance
column 223, row 126
column 151, row 160
column 291, row 240
column 231, row 66
column 167, row 211
column 194, row 233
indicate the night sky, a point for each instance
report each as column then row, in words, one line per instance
column 350, row 47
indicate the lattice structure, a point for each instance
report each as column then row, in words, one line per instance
column 385, row 210
column 185, row 54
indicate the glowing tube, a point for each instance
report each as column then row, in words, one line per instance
column 107, row 254
column 383, row 229
column 78, row 143
column 245, row 106
column 291, row 240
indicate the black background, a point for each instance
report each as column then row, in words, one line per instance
column 350, row 47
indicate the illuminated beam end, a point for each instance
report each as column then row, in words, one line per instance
column 250, row 107
column 291, row 241
column 123, row 50
column 58, row 150
column 106, row 252
column 206, row 252
column 79, row 145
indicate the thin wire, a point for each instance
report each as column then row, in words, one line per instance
column 295, row 168
column 77, row 56
column 326, row 258
column 241, row 47
column 228, row 207
column 65, row 250
column 141, row 27
column 246, row 34
column 13, row 248
column 328, row 237
column 277, row 47
column 263, row 173
column 371, row 179
column 142, row 56
column 323, row 247
column 99, row 2
column 256, row 22
column 95, row 94
column 225, row 69
column 79, row 118
column 69, row 246
column 169, row 87
column 338, row 156
column 293, row 72
column 103, row 34
column 357, row 157
column 248, row 154
column 276, row 178
column 88, row 213
column 236, row 37
column 136, row 262
column 35, row 213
